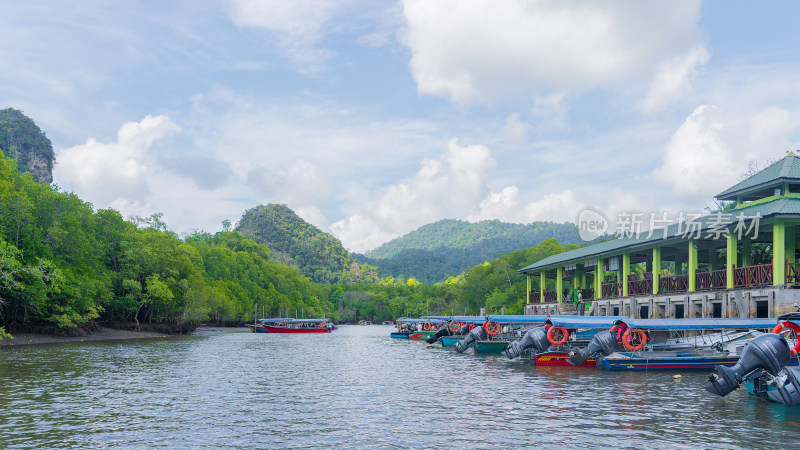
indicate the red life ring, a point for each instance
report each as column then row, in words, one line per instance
column 492, row 328
column 551, row 335
column 628, row 337
column 426, row 326
column 454, row 327
column 791, row 326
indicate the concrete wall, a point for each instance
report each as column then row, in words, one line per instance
column 737, row 303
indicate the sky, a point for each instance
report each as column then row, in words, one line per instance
column 371, row 118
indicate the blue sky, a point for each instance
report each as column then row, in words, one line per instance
column 371, row 118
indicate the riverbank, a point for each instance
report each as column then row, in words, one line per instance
column 103, row 334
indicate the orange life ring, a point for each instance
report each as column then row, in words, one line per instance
column 791, row 326
column 614, row 328
column 628, row 336
column 454, row 327
column 492, row 328
column 426, row 326
column 551, row 335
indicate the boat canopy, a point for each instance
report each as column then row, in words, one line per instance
column 289, row 320
column 520, row 319
column 419, row 320
column 584, row 321
column 467, row 319
column 699, row 324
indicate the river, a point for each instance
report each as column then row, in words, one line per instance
column 355, row 387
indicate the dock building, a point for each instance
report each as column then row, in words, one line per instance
column 741, row 261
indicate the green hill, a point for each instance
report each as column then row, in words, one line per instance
column 24, row 142
column 318, row 255
column 446, row 248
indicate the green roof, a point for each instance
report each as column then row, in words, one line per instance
column 787, row 169
column 707, row 224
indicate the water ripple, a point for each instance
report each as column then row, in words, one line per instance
column 355, row 388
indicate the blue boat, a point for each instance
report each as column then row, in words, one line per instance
column 697, row 351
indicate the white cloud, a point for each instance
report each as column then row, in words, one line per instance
column 479, row 51
column 298, row 26
column 674, row 79
column 451, row 186
column 713, row 146
column 114, row 173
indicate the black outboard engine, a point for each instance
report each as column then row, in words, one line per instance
column 769, row 353
column 535, row 339
column 477, row 334
column 463, row 330
column 604, row 343
column 444, row 330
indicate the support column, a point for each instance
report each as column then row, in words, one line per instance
column 730, row 263
column 598, row 279
column 713, row 260
column 747, row 250
column 778, row 253
column 791, row 242
column 528, row 291
column 626, row 270
column 678, row 263
column 691, row 268
column 560, row 284
column 542, row 281
column 656, row 268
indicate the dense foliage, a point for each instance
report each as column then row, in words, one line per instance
column 318, row 255
column 493, row 285
column 446, row 248
column 63, row 264
column 24, row 142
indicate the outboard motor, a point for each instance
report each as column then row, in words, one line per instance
column 535, row 339
column 444, row 330
column 464, row 329
column 604, row 343
column 768, row 352
column 477, row 334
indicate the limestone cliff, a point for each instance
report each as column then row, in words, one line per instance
column 25, row 142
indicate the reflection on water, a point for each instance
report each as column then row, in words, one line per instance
column 355, row 388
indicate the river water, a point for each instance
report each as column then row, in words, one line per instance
column 355, row 387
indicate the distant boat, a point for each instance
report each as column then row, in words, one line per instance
column 283, row 325
column 387, row 322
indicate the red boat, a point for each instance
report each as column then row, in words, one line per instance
column 292, row 326
column 559, row 359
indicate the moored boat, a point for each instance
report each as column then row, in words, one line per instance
column 764, row 366
column 672, row 344
column 284, row 325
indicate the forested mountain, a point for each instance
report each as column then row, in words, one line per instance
column 318, row 255
column 23, row 141
column 446, row 248
column 63, row 264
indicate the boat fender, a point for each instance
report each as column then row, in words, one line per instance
column 628, row 337
column 789, row 326
column 492, row 328
column 557, row 335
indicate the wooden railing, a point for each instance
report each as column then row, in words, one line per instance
column 535, row 297
column 640, row 287
column 550, row 297
column 707, row 281
column 792, row 273
column 748, row 276
column 612, row 290
column 675, row 283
